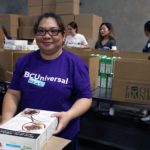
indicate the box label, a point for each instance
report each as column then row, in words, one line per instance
column 137, row 92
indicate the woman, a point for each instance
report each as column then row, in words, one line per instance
column 50, row 79
column 147, row 33
column 106, row 41
column 74, row 39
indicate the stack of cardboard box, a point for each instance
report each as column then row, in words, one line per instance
column 37, row 7
column 48, row 6
column 26, row 24
column 67, row 7
column 10, row 23
column 88, row 25
column 34, row 7
column 8, row 60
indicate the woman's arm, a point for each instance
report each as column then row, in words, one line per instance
column 10, row 104
column 78, row 108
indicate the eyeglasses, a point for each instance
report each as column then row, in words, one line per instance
column 51, row 32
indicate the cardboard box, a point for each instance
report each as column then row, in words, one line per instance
column 88, row 20
column 8, row 76
column 8, row 60
column 132, row 69
column 80, row 51
column 49, row 2
column 12, row 31
column 31, row 129
column 35, row 10
column 67, row 18
column 90, row 32
column 9, row 19
column 26, row 32
column 64, row 1
column 107, row 52
column 131, row 81
column 27, row 20
column 48, row 8
column 34, row 3
column 131, row 91
column 67, row 8
column 91, row 42
column 93, row 71
column 129, row 54
column 56, row 143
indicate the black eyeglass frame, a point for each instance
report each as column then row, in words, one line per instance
column 42, row 32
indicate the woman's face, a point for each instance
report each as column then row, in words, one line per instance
column 49, row 37
column 71, row 30
column 104, row 31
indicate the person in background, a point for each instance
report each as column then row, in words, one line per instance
column 51, row 78
column 106, row 40
column 75, row 39
column 147, row 33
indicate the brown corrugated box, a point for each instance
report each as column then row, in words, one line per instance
column 67, row 8
column 93, row 65
column 35, row 10
column 48, row 8
column 131, row 81
column 8, row 60
column 131, row 91
column 64, row 1
column 132, row 69
column 27, row 20
column 49, row 2
column 12, row 31
column 67, row 18
column 9, row 19
column 131, row 54
column 89, row 51
column 88, row 20
column 56, row 143
column 26, row 32
column 34, row 2
column 10, row 22
column 89, row 31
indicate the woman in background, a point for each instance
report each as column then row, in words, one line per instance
column 147, row 33
column 106, row 40
column 74, row 39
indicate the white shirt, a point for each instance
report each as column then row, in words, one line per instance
column 76, row 40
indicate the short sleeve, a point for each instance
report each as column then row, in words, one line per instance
column 112, row 43
column 84, row 41
column 81, row 80
column 15, row 82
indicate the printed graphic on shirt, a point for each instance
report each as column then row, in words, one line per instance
column 39, row 80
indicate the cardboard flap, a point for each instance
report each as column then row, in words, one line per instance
column 56, row 143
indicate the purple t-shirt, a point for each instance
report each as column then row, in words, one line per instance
column 52, row 85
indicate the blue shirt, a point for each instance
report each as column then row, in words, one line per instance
column 106, row 46
column 147, row 47
column 52, row 85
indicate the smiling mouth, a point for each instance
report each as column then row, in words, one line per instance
column 46, row 43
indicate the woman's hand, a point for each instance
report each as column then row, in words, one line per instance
column 63, row 120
